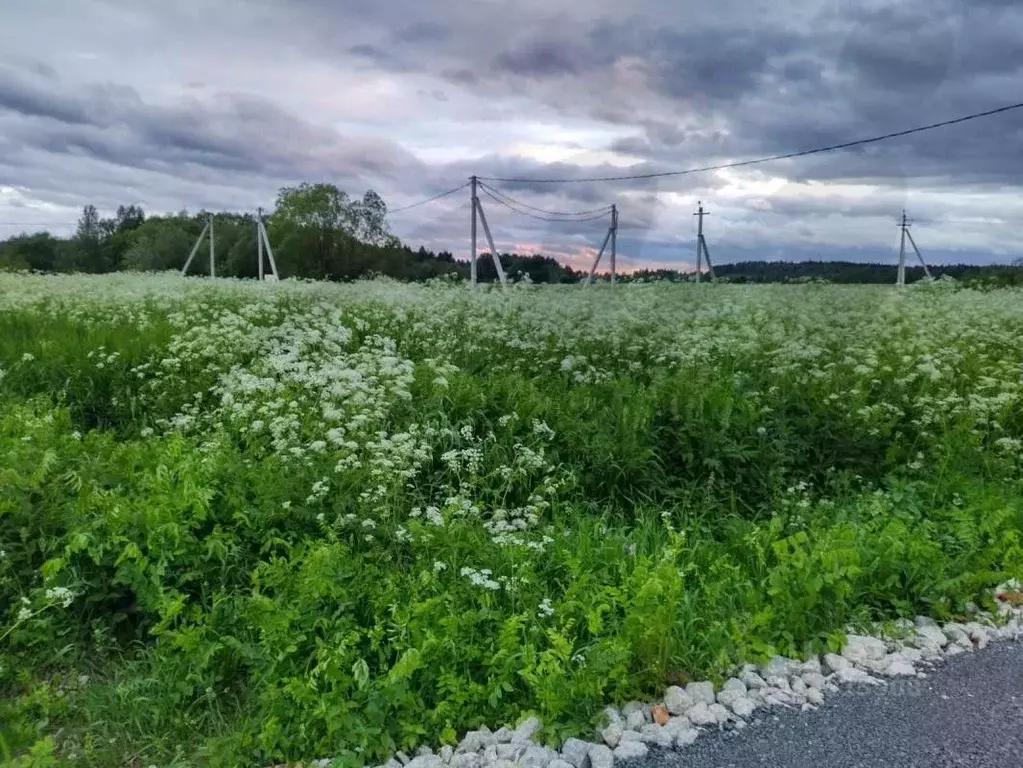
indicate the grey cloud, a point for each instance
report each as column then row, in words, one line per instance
column 631, row 146
column 718, row 64
column 371, row 52
column 882, row 79
column 698, row 65
column 461, row 76
column 422, row 31
column 900, row 47
column 539, row 58
column 231, row 133
column 19, row 96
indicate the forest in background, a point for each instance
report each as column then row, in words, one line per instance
column 320, row 232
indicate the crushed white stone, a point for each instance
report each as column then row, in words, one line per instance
column 612, row 735
column 721, row 715
column 677, row 700
column 743, row 707
column 630, row 750
column 635, row 719
column 859, row 648
column 833, row 662
column 732, row 689
column 601, row 756
column 700, row 714
column 576, row 752
column 853, row 675
column 701, row 692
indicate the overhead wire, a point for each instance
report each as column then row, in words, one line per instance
column 602, row 210
column 771, row 158
column 429, row 199
column 37, row 223
column 499, row 201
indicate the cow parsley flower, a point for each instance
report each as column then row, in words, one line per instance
column 62, row 595
column 480, row 578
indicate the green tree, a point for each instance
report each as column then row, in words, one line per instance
column 40, row 252
column 323, row 233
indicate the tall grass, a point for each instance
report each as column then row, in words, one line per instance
column 308, row 521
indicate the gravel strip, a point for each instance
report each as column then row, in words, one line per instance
column 967, row 712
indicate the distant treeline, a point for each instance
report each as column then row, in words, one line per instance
column 319, row 232
column 316, row 230
column 844, row 272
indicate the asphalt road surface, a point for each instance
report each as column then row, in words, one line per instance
column 968, row 713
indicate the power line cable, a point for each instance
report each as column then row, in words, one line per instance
column 741, row 163
column 429, row 199
column 37, row 223
column 500, row 194
column 499, row 201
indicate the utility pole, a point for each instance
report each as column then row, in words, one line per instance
column 208, row 227
column 701, row 244
column 213, row 263
column 904, row 226
column 900, row 277
column 263, row 245
column 612, row 238
column 477, row 211
column 472, row 262
column 259, row 240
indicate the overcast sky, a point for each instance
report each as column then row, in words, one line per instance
column 191, row 104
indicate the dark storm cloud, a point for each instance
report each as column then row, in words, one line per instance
column 845, row 76
column 899, row 47
column 232, row 133
column 699, row 64
column 716, row 65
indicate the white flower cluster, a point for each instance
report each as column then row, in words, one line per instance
column 61, row 595
column 480, row 578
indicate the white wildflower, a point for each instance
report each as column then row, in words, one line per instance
column 60, row 594
column 480, row 578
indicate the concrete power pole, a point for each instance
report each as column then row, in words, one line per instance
column 612, row 238
column 195, row 248
column 906, row 234
column 472, row 258
column 701, row 244
column 213, row 261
